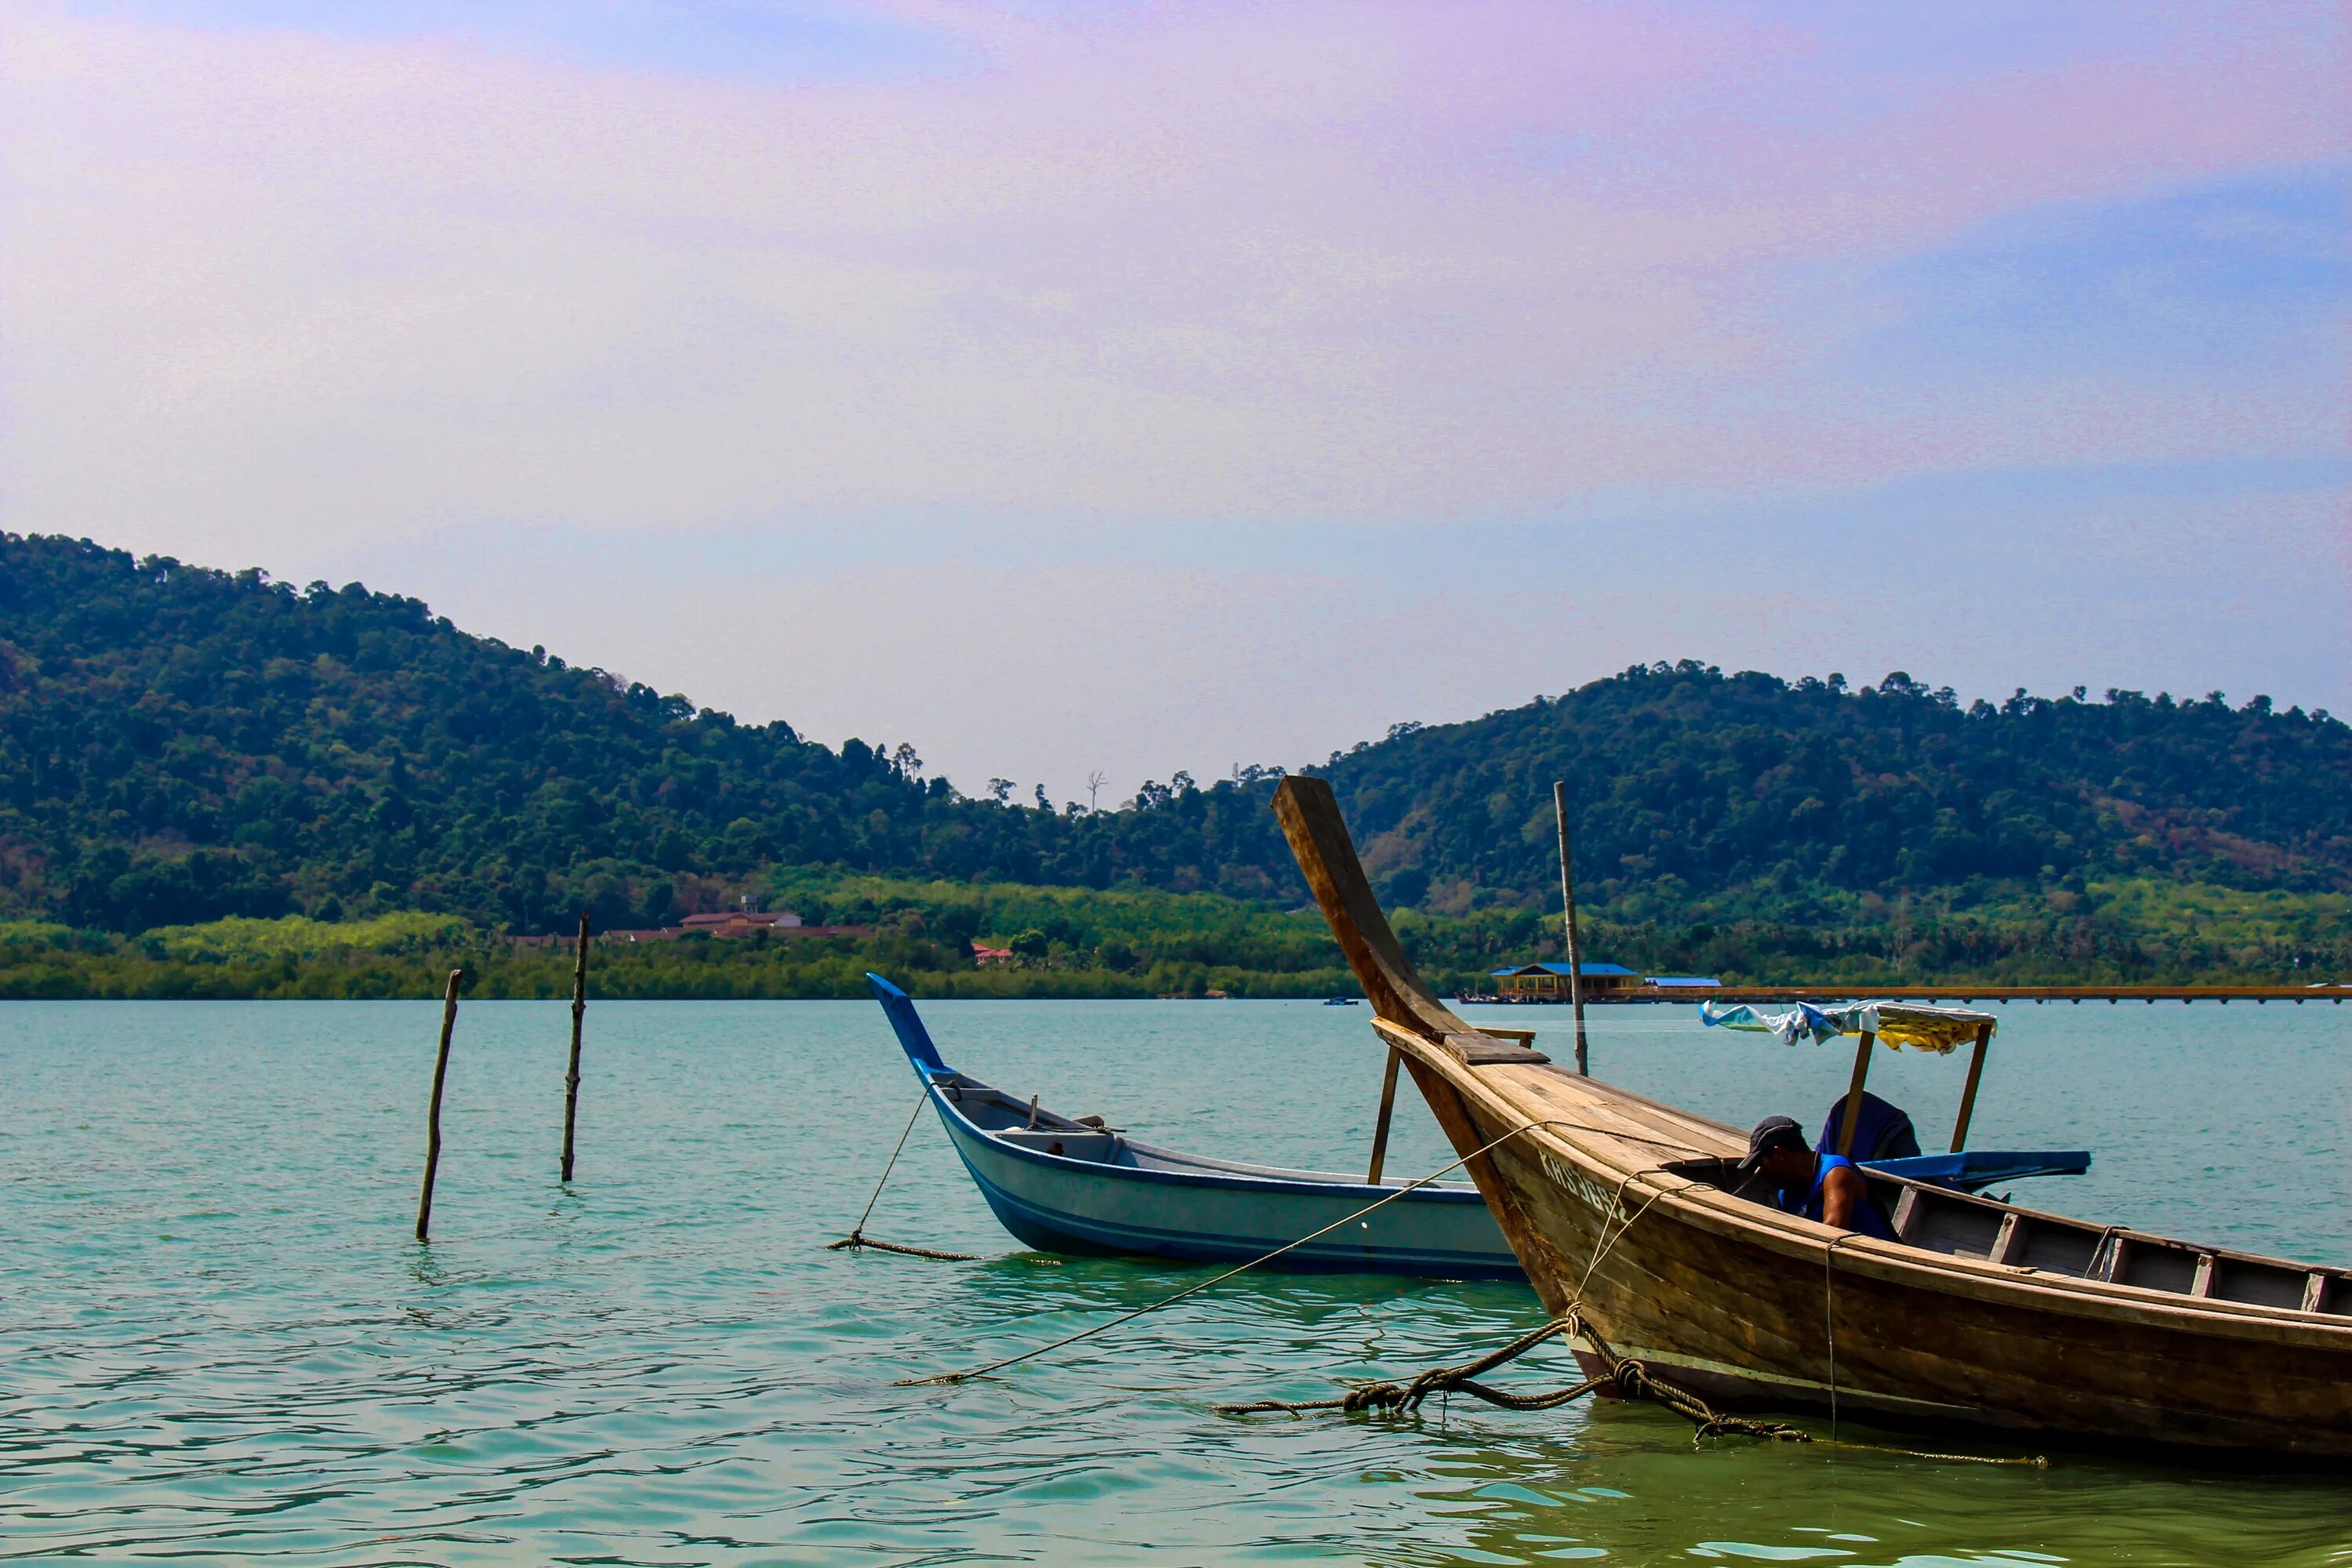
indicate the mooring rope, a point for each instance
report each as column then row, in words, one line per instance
column 1829, row 1317
column 857, row 1238
column 1631, row 1377
column 948, row 1377
column 1627, row 1374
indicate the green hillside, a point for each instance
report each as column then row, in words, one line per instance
column 180, row 746
column 1744, row 794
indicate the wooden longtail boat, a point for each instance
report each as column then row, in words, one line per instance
column 1984, row 1314
column 1074, row 1185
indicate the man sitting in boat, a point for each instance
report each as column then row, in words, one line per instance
column 1822, row 1186
column 1882, row 1132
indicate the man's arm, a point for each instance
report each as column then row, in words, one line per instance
column 1841, row 1191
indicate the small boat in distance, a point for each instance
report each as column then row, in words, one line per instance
column 1072, row 1184
column 1338, row 1001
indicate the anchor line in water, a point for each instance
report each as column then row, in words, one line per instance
column 857, row 1239
column 1629, row 1375
column 949, row 1377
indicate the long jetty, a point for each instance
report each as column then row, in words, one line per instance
column 1962, row 991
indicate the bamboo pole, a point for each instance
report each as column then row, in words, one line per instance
column 1854, row 1094
column 433, row 1113
column 1388, row 1109
column 1567, row 923
column 579, row 1010
column 1968, row 1095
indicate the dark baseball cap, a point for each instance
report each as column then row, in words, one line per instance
column 1772, row 1132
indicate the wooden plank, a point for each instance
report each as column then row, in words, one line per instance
column 1485, row 1051
column 2201, row 1282
column 1969, row 1094
column 1730, row 1297
column 1853, row 1093
column 1907, row 1214
column 1318, row 838
column 2314, row 1291
column 2008, row 1243
column 1388, row 1109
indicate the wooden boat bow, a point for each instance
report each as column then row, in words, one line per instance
column 1632, row 1213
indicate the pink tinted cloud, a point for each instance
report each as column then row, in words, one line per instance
column 1148, row 262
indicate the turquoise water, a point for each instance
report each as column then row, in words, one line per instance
column 218, row 1340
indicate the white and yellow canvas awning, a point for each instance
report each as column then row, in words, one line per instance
column 1895, row 1024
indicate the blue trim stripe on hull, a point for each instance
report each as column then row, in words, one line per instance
column 1172, row 1206
column 1050, row 1231
column 1100, row 1210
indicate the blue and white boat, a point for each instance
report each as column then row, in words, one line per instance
column 1074, row 1186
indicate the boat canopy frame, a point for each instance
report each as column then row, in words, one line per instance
column 1891, row 1023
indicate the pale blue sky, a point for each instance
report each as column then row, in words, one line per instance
column 1148, row 386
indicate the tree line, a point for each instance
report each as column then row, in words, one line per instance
column 180, row 746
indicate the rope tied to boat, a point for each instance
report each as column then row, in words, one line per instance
column 857, row 1239
column 1071, row 1339
column 1627, row 1376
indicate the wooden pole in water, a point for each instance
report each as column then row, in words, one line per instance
column 1854, row 1094
column 1567, row 923
column 579, row 1010
column 1968, row 1095
column 433, row 1113
column 1388, row 1109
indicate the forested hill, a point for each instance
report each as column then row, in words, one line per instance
column 178, row 744
column 1765, row 796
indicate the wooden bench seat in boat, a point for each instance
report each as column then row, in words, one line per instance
column 1963, row 1224
column 1982, row 1313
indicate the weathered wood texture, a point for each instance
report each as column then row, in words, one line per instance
column 1388, row 1112
column 1968, row 1090
column 1853, row 1093
column 1989, row 1315
column 1568, row 925
column 433, row 1110
column 579, row 1013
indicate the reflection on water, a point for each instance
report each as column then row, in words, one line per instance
column 220, row 1343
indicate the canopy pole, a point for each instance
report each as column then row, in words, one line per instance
column 1853, row 1093
column 1968, row 1095
column 1568, row 924
column 1388, row 1109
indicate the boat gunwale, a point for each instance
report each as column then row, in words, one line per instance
column 1715, row 1210
column 1432, row 1192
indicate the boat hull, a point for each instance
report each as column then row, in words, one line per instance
column 1629, row 1213
column 1086, row 1207
column 1767, row 1316
column 1075, row 1186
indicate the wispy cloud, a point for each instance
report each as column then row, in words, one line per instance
column 296, row 284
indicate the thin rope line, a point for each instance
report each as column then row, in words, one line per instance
column 948, row 1377
column 857, row 1231
column 1829, row 1317
column 1608, row 1242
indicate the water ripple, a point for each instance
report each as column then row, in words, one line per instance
column 219, row 1343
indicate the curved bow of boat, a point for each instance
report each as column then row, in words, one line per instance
column 1984, row 1312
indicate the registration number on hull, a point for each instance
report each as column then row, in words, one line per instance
column 1592, row 1194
